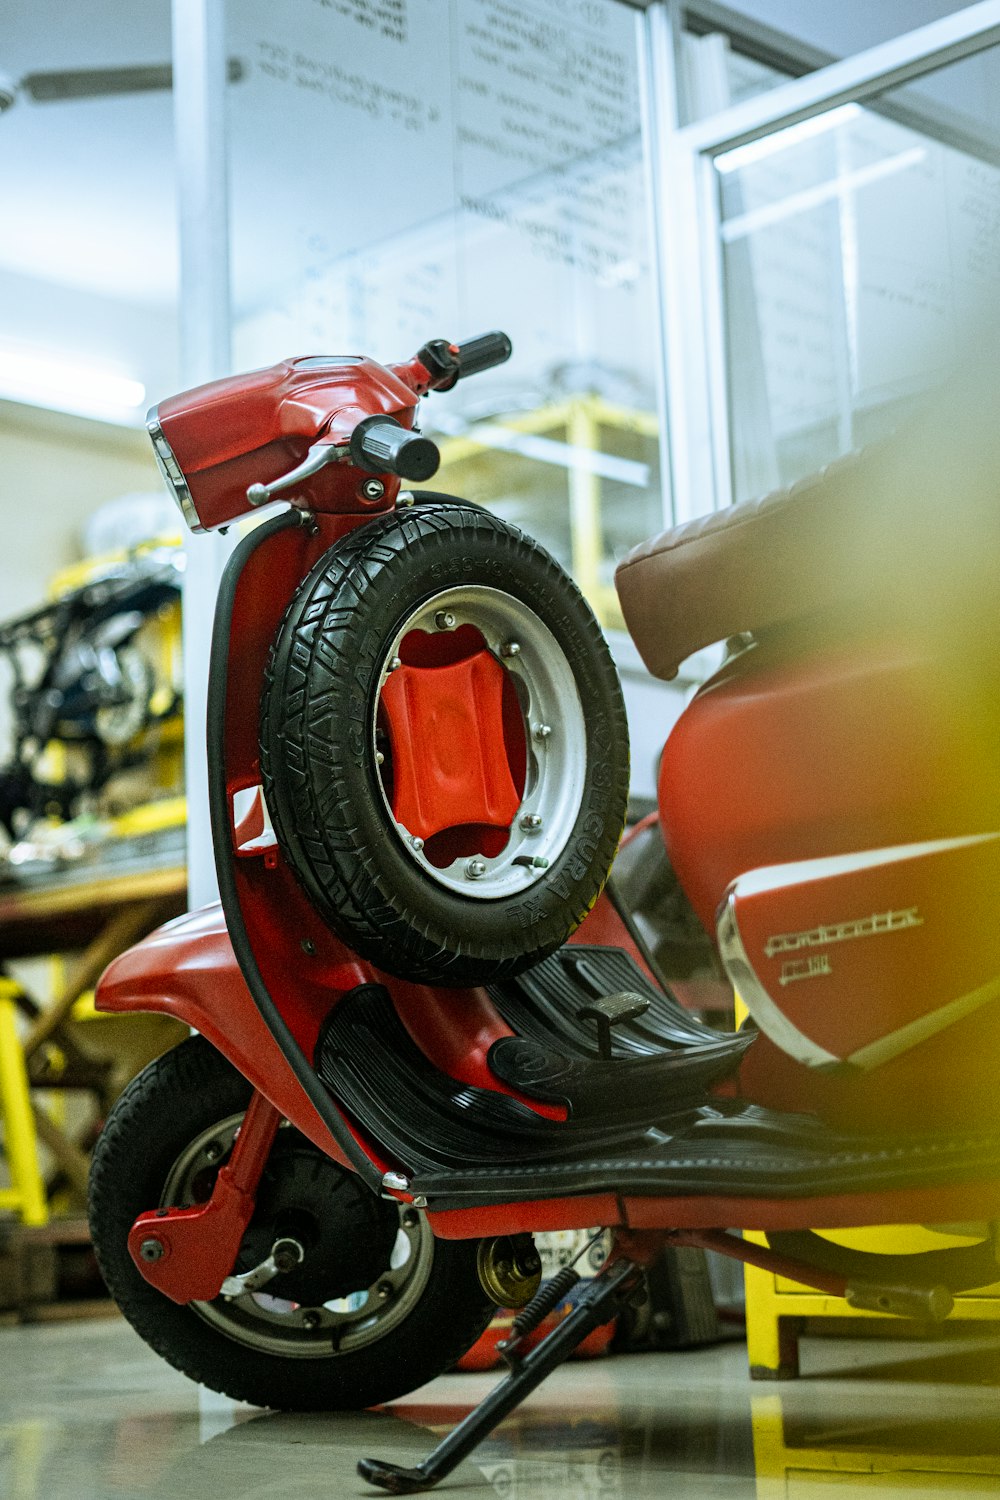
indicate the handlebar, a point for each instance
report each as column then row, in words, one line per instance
column 377, row 444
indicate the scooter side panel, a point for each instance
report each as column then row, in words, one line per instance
column 799, row 750
column 860, row 958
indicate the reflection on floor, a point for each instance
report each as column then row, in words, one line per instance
column 88, row 1413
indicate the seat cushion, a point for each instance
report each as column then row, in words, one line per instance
column 907, row 529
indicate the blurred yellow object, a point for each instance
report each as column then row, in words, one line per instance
column 905, row 1455
column 76, row 575
column 26, row 1194
column 491, row 467
column 776, row 1306
column 150, row 817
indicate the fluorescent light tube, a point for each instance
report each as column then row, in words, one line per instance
column 63, row 385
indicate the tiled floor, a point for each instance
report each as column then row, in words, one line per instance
column 88, row 1413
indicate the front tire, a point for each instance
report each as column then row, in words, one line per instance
column 351, row 765
column 402, row 1306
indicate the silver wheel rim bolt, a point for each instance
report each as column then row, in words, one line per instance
column 394, row 664
column 531, row 822
column 384, row 1291
column 510, row 648
column 417, row 844
column 311, row 1319
column 379, row 758
column 475, row 868
column 444, row 619
column 542, row 731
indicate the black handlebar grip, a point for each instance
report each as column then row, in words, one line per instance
column 483, row 353
column 380, row 445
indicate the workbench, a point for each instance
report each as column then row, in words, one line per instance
column 93, row 915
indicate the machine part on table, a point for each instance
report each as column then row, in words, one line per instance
column 94, row 692
column 931, row 1304
column 387, row 1305
column 453, row 725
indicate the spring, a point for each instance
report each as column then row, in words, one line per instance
column 545, row 1299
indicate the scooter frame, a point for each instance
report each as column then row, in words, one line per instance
column 258, row 976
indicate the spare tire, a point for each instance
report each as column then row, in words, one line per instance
column 444, row 748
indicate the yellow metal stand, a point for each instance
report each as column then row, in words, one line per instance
column 26, row 1194
column 777, row 1308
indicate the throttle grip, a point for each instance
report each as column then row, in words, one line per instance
column 449, row 363
column 483, row 353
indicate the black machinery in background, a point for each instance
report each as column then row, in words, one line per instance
column 83, row 678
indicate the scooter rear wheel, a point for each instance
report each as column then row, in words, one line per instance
column 378, row 1307
column 443, row 745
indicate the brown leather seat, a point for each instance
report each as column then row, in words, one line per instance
column 908, row 530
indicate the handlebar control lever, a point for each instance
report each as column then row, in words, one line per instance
column 319, row 455
column 381, row 445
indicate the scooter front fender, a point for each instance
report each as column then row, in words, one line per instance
column 188, row 969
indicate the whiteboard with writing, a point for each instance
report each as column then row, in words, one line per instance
column 405, row 169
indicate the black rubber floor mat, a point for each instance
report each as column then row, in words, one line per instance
column 594, row 1089
column 368, row 1060
column 460, row 1144
column 542, row 1005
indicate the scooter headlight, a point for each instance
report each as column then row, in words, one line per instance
column 171, row 470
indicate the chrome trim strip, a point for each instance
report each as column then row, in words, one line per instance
column 171, row 470
column 924, row 1027
column 780, row 877
column 772, row 1021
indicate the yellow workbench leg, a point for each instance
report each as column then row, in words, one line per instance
column 772, row 1340
column 27, row 1191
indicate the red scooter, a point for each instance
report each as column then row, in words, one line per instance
column 424, row 1031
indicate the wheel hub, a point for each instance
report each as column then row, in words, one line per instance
column 346, row 1233
column 363, row 1271
column 479, row 742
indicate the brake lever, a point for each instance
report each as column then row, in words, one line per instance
column 319, row 455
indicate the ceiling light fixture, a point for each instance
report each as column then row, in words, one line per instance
column 63, row 385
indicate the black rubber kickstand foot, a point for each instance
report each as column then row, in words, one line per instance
column 393, row 1477
column 597, row 1305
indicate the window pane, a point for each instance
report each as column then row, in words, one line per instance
column 855, row 247
column 403, row 172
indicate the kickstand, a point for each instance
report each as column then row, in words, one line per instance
column 598, row 1305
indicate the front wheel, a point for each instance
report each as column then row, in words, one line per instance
column 377, row 1307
